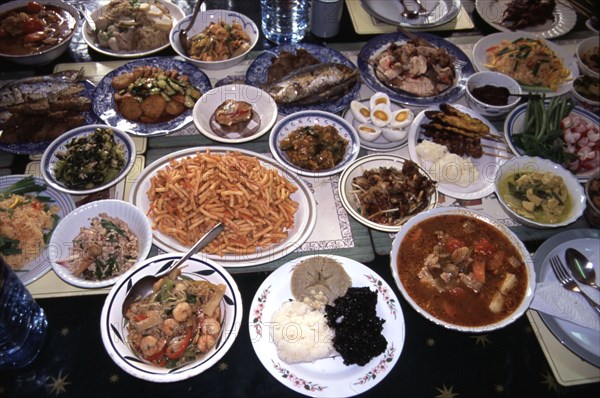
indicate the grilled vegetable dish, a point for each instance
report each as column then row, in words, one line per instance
column 152, row 95
column 104, row 250
column 521, row 14
column 542, row 197
column 178, row 323
column 34, row 28
column 390, row 196
column 90, row 161
column 314, row 147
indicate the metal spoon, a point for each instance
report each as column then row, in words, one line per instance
column 422, row 10
column 581, row 268
column 408, row 14
column 143, row 287
column 183, row 39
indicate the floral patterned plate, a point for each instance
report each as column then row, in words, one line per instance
column 327, row 377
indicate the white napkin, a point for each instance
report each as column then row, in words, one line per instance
column 553, row 299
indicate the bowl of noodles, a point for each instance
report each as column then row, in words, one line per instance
column 184, row 327
column 218, row 39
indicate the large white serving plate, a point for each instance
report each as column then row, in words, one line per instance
column 327, row 377
column 304, row 219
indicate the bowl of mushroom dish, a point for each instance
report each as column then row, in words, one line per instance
column 462, row 270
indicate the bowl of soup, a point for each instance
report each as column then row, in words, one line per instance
column 462, row 269
column 539, row 193
column 36, row 32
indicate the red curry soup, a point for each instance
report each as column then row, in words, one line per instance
column 462, row 270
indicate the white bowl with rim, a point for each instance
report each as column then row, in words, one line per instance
column 584, row 46
column 46, row 56
column 488, row 78
column 528, row 164
column 203, row 20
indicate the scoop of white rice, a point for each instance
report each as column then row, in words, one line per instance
column 430, row 151
column 301, row 333
column 452, row 169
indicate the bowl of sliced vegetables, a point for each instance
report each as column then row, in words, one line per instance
column 218, row 39
column 558, row 131
column 539, row 193
column 88, row 159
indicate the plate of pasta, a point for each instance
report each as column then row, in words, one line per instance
column 537, row 64
column 268, row 212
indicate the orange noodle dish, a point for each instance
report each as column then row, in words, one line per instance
column 218, row 42
column 177, row 323
column 529, row 61
column 190, row 195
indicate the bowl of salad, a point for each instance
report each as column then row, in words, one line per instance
column 96, row 243
column 558, row 130
column 88, row 159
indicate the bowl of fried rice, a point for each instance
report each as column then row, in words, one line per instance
column 218, row 39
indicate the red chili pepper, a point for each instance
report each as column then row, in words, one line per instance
column 182, row 347
column 139, row 317
column 156, row 357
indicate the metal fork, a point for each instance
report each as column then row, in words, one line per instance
column 568, row 283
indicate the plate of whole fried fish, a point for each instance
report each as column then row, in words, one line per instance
column 305, row 76
column 422, row 70
column 36, row 110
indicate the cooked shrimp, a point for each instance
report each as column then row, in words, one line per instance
column 211, row 326
column 206, row 342
column 170, row 327
column 182, row 311
column 150, row 345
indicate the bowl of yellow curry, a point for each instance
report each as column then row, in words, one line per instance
column 539, row 193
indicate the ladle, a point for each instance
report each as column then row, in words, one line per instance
column 408, row 14
column 581, row 268
column 143, row 287
column 183, row 39
column 422, row 10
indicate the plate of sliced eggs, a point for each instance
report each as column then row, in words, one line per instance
column 382, row 124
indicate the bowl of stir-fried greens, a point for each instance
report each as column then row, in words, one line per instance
column 88, row 159
column 182, row 328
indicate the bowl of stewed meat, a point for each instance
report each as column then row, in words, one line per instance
column 462, row 270
column 36, row 32
column 184, row 326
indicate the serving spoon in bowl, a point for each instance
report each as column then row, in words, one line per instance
column 144, row 286
column 407, row 13
column 183, row 33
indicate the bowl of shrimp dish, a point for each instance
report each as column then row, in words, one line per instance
column 218, row 39
column 182, row 328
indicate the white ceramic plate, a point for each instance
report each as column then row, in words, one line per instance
column 91, row 40
column 38, row 267
column 69, row 227
column 440, row 12
column 263, row 106
column 516, row 242
column 357, row 169
column 565, row 19
column 288, row 124
column 114, row 332
column 582, row 341
column 486, row 165
column 515, row 124
column 327, row 377
column 49, row 159
column 569, row 61
column 304, row 221
column 380, row 144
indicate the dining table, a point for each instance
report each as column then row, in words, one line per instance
column 522, row 359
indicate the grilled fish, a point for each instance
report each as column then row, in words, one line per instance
column 314, row 84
